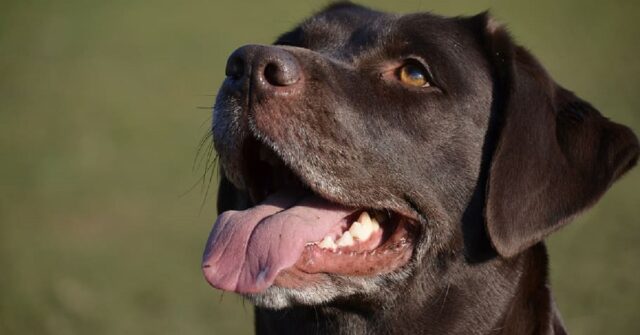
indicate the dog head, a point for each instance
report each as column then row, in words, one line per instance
column 442, row 139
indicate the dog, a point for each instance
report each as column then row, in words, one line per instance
column 397, row 174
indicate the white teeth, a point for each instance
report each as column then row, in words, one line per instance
column 345, row 240
column 361, row 231
column 364, row 227
column 364, row 218
column 327, row 243
column 375, row 225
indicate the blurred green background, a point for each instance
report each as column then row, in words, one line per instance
column 103, row 105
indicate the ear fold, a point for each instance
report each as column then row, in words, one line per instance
column 556, row 155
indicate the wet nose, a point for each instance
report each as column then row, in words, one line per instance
column 268, row 67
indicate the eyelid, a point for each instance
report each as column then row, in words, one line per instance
column 389, row 71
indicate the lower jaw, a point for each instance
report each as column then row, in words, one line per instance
column 316, row 265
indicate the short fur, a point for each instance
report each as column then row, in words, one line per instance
column 492, row 160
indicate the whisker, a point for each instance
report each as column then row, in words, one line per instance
column 202, row 157
column 210, row 181
column 199, row 160
column 205, row 143
column 207, row 121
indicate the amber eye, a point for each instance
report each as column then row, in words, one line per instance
column 414, row 75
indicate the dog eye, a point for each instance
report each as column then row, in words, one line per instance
column 414, row 74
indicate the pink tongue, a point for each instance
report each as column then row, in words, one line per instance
column 247, row 249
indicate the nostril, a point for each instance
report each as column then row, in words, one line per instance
column 235, row 67
column 271, row 73
column 281, row 73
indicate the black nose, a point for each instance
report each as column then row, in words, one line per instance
column 268, row 66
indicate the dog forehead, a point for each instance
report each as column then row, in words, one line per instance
column 349, row 32
column 341, row 31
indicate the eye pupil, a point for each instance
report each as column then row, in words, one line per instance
column 414, row 73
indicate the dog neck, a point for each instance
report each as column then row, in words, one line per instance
column 495, row 297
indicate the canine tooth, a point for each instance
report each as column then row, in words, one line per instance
column 345, row 240
column 364, row 218
column 361, row 231
column 375, row 226
column 327, row 243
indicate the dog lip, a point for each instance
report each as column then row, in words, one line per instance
column 316, row 265
column 409, row 210
column 391, row 253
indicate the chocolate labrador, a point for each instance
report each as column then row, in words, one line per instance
column 397, row 174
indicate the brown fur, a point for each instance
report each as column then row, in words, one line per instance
column 492, row 159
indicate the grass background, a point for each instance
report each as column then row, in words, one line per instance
column 101, row 231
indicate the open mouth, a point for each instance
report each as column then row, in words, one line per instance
column 295, row 228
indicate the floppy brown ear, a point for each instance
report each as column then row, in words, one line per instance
column 556, row 155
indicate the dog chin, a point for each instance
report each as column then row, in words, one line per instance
column 276, row 297
column 340, row 288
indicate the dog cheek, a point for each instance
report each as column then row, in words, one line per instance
column 228, row 132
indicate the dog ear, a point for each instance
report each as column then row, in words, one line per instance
column 229, row 197
column 555, row 155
